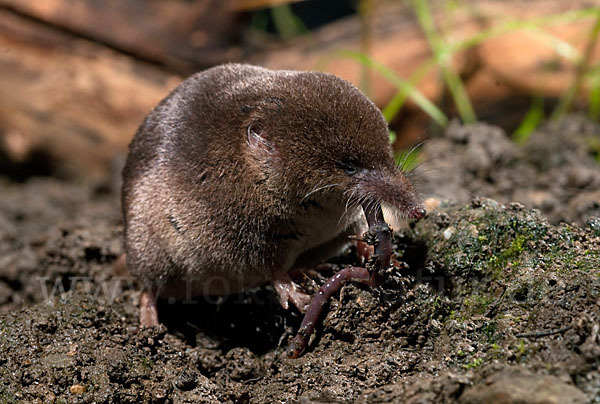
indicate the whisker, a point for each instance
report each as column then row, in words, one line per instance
column 429, row 170
column 421, row 163
column 407, row 155
column 349, row 203
column 317, row 190
column 346, row 206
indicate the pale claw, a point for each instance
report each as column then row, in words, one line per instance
column 288, row 291
column 148, row 310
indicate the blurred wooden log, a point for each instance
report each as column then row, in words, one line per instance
column 183, row 35
column 520, row 60
column 79, row 101
column 512, row 63
column 397, row 43
column 250, row 5
column 77, row 92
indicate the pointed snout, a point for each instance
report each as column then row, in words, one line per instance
column 393, row 188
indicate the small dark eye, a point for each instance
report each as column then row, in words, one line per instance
column 350, row 169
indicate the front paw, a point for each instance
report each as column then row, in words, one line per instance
column 289, row 291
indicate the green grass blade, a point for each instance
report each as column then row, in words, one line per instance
column 397, row 102
column 443, row 56
column 260, row 21
column 594, row 96
column 403, row 85
column 520, row 25
column 408, row 159
column 286, row 23
column 531, row 121
column 569, row 96
column 460, row 95
column 561, row 47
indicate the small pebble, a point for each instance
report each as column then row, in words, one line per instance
column 77, row 389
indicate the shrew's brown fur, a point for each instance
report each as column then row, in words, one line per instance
column 243, row 172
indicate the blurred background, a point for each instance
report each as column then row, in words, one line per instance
column 504, row 96
column 77, row 77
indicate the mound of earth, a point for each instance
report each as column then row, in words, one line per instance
column 495, row 303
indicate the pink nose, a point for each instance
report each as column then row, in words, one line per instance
column 417, row 213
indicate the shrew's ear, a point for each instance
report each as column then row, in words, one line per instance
column 258, row 140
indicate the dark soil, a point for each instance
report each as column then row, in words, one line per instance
column 496, row 304
column 555, row 171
